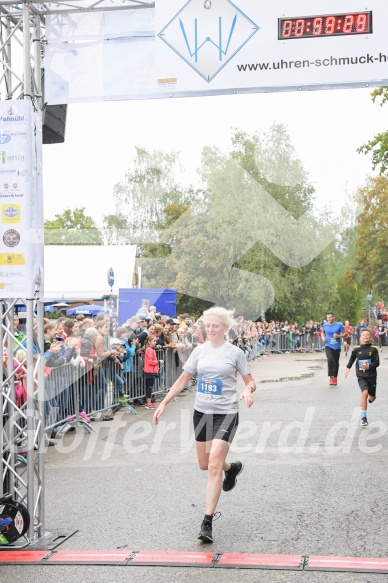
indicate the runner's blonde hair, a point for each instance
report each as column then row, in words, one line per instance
column 222, row 314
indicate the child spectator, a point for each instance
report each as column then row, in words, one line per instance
column 151, row 369
column 131, row 344
column 118, row 344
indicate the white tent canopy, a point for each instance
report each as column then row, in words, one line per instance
column 81, row 271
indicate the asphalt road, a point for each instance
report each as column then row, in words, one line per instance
column 314, row 482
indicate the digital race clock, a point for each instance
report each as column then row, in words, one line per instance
column 325, row 25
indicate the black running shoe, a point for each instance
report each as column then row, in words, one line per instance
column 230, row 479
column 206, row 532
column 364, row 422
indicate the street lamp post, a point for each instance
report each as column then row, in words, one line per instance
column 369, row 300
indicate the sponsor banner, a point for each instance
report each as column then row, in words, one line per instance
column 198, row 47
column 21, row 225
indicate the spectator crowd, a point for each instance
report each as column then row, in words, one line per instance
column 93, row 366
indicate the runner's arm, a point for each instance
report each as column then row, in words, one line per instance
column 249, row 382
column 176, row 388
column 375, row 360
column 250, row 387
column 351, row 360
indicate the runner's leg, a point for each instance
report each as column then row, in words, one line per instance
column 203, row 453
column 364, row 400
column 216, row 465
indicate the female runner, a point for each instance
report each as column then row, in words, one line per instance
column 217, row 363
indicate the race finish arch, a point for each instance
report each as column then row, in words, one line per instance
column 202, row 47
column 133, row 49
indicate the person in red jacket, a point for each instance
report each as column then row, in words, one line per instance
column 151, row 369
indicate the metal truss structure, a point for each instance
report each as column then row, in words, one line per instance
column 22, row 437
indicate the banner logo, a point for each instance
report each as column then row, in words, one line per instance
column 11, row 238
column 12, row 259
column 208, row 35
column 11, row 213
column 12, row 115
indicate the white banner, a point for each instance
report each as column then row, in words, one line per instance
column 21, row 235
column 202, row 47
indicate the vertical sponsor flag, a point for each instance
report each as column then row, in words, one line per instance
column 21, row 227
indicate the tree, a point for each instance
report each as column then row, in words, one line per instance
column 270, row 159
column 350, row 294
column 372, row 241
column 233, row 245
column 147, row 190
column 379, row 144
column 72, row 227
column 116, row 230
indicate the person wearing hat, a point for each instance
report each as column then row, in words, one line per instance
column 173, row 326
column 141, row 332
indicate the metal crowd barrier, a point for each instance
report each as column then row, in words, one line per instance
column 75, row 393
column 279, row 343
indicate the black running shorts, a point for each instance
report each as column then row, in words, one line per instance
column 368, row 384
column 209, row 426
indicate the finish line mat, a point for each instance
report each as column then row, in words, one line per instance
column 193, row 559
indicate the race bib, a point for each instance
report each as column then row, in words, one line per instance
column 208, row 386
column 361, row 362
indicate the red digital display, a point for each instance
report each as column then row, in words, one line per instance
column 325, row 25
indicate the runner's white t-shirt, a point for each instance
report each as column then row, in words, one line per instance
column 217, row 370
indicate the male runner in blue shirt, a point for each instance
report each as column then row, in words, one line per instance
column 332, row 332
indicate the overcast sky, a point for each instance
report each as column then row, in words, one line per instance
column 326, row 127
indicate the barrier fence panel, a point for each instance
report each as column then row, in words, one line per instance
column 73, row 390
column 283, row 342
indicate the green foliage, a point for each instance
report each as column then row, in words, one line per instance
column 379, row 144
column 372, row 241
column 270, row 159
column 147, row 190
column 116, row 230
column 193, row 306
column 53, row 315
column 72, row 227
column 350, row 297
